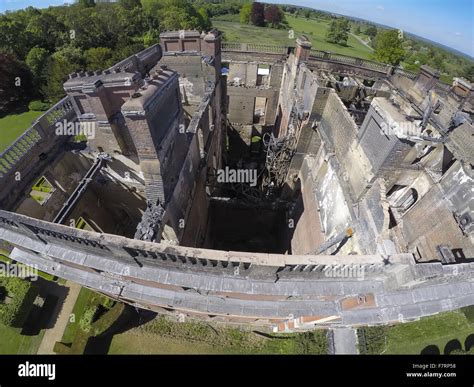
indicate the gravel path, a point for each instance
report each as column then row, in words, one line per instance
column 55, row 333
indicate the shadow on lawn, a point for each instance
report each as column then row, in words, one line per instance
column 130, row 318
column 450, row 347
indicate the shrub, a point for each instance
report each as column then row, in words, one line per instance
column 62, row 348
column 372, row 340
column 107, row 320
column 86, row 319
column 469, row 313
column 80, row 138
column 107, row 302
column 38, row 106
column 22, row 294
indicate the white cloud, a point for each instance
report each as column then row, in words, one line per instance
column 380, row 8
column 457, row 33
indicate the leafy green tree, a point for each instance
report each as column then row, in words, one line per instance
column 13, row 35
column 206, row 21
column 182, row 16
column 468, row 72
column 98, row 58
column 130, row 4
column 15, row 82
column 47, row 31
column 123, row 52
column 150, row 38
column 86, row 3
column 36, row 60
column 338, row 31
column 371, row 31
column 388, row 47
column 152, row 7
column 56, row 73
column 71, row 54
column 245, row 12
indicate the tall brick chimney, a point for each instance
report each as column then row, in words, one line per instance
column 303, row 49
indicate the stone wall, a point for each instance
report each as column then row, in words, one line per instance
column 232, row 284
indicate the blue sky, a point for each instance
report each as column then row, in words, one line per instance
column 450, row 22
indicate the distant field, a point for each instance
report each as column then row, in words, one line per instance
column 315, row 30
column 13, row 125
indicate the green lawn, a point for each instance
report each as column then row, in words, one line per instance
column 413, row 337
column 82, row 302
column 13, row 125
column 314, row 29
column 162, row 336
column 12, row 342
column 135, row 342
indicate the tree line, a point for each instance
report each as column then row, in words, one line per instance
column 40, row 47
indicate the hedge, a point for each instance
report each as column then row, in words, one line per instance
column 106, row 321
column 39, row 106
column 23, row 294
column 469, row 313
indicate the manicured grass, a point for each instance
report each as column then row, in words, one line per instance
column 161, row 336
column 314, row 29
column 82, row 302
column 12, row 342
column 13, row 126
column 413, row 337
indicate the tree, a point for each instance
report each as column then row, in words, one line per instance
column 13, row 35
column 98, row 58
column 388, row 47
column 245, row 12
column 86, row 3
column 56, row 72
column 338, row 31
column 468, row 73
column 273, row 15
column 257, row 14
column 206, row 21
column 152, row 7
column 15, row 83
column 130, row 4
column 46, row 31
column 36, row 60
column 371, row 31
